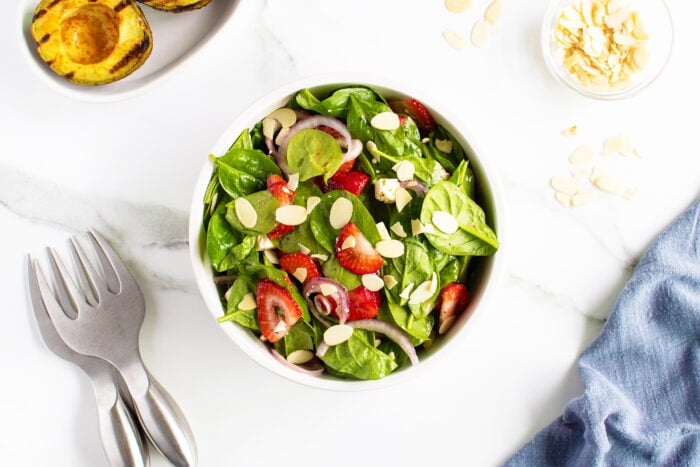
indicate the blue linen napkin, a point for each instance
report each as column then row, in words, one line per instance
column 641, row 403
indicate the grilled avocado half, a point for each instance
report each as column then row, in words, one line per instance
column 92, row 42
column 175, row 6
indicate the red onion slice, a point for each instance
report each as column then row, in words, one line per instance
column 313, row 286
column 321, row 349
column 418, row 187
column 353, row 152
column 390, row 331
column 317, row 369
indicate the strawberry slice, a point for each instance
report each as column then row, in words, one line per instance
column 363, row 303
column 279, row 189
column 331, row 131
column 353, row 181
column 416, row 111
column 347, row 166
column 277, row 310
column 294, row 261
column 355, row 253
column 454, row 298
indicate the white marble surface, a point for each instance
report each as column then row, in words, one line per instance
column 128, row 168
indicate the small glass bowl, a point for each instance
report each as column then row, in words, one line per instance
column 657, row 21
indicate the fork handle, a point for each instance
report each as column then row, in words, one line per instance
column 160, row 417
column 121, row 438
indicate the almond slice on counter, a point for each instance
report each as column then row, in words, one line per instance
column 455, row 38
column 493, row 11
column 245, row 212
column 458, row 6
column 583, row 155
column 611, row 184
column 583, row 197
column 563, row 198
column 481, row 31
column 564, row 184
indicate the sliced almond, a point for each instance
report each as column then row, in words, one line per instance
column 320, row 256
column 383, row 232
column 341, row 213
column 421, row 293
column 285, row 116
column 385, row 121
column 458, row 6
column 455, row 38
column 311, row 203
column 372, row 282
column 611, row 184
column 563, row 198
column 281, row 328
column 571, row 131
column 349, row 242
column 248, row 302
column 444, row 145
column 337, row 334
column 446, row 324
column 390, row 248
column 398, row 229
column 390, row 281
column 581, row 173
column 445, row 222
column 417, row 227
column 327, row 289
column 480, row 33
column 263, row 243
column 300, row 274
column 630, row 194
column 270, row 127
column 564, row 184
column 290, row 214
column 293, row 181
column 245, row 212
column 583, row 155
column 404, row 170
column 304, row 249
column 403, row 197
column 493, row 11
column 271, row 256
column 406, row 292
column 299, row 357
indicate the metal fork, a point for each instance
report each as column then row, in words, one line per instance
column 110, row 309
column 122, row 441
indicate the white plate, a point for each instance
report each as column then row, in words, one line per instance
column 171, row 49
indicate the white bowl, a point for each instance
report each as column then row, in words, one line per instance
column 171, row 49
column 491, row 199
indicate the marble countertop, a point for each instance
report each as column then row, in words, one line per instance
column 128, row 168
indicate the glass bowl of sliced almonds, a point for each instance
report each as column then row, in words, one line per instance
column 607, row 49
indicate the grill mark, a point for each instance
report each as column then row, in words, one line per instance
column 135, row 52
column 69, row 75
column 53, row 4
column 45, row 38
column 39, row 14
column 121, row 5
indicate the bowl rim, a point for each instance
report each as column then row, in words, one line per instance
column 608, row 95
column 491, row 184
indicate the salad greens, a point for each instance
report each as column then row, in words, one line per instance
column 290, row 284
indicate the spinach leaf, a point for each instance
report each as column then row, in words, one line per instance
column 244, row 141
column 414, row 267
column 325, row 234
column 333, row 270
column 300, row 337
column 473, row 236
column 418, row 328
column 220, row 239
column 312, row 153
column 248, row 318
column 359, row 358
column 265, row 205
column 463, row 177
column 336, row 104
column 244, row 171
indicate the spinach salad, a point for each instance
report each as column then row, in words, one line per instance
column 340, row 230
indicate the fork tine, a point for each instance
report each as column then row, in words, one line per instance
column 42, row 295
column 68, row 294
column 113, row 266
column 86, row 273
